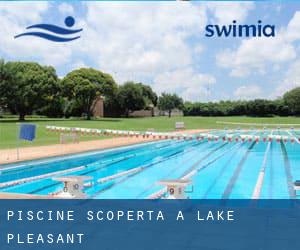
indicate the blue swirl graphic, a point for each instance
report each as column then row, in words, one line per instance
column 55, row 29
column 69, row 22
column 48, row 36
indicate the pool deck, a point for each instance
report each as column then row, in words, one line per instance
column 31, row 153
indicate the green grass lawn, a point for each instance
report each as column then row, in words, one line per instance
column 9, row 127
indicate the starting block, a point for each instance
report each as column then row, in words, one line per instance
column 73, row 186
column 176, row 188
column 296, row 186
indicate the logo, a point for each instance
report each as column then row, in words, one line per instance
column 57, row 34
column 238, row 30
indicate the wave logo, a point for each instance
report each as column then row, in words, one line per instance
column 59, row 34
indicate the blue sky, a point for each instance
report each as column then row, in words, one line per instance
column 163, row 44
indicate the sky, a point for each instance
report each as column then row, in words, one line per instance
column 163, row 44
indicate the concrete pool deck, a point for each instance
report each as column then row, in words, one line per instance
column 31, row 153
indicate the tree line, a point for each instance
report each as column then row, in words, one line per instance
column 289, row 104
column 30, row 88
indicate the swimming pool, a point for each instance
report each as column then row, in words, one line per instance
column 218, row 169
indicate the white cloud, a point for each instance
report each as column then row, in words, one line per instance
column 14, row 18
column 131, row 41
column 65, row 8
column 247, row 92
column 151, row 43
column 188, row 84
column 23, row 11
column 198, row 49
column 79, row 64
column 291, row 80
column 226, row 12
column 293, row 28
column 255, row 54
column 141, row 38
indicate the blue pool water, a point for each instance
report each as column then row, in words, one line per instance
column 221, row 169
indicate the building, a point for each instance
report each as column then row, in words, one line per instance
column 98, row 107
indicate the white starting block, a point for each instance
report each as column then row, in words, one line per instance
column 176, row 188
column 73, row 186
column 296, row 186
column 179, row 125
column 73, row 137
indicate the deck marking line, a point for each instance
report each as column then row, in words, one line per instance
column 258, row 124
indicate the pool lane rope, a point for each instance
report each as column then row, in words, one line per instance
column 103, row 164
column 260, row 179
column 293, row 137
column 118, row 175
column 39, row 177
column 119, row 159
column 194, row 169
column 147, row 166
column 193, row 172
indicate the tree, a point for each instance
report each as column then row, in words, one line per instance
column 149, row 94
column 167, row 102
column 84, row 85
column 3, row 83
column 26, row 86
column 292, row 100
column 131, row 98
